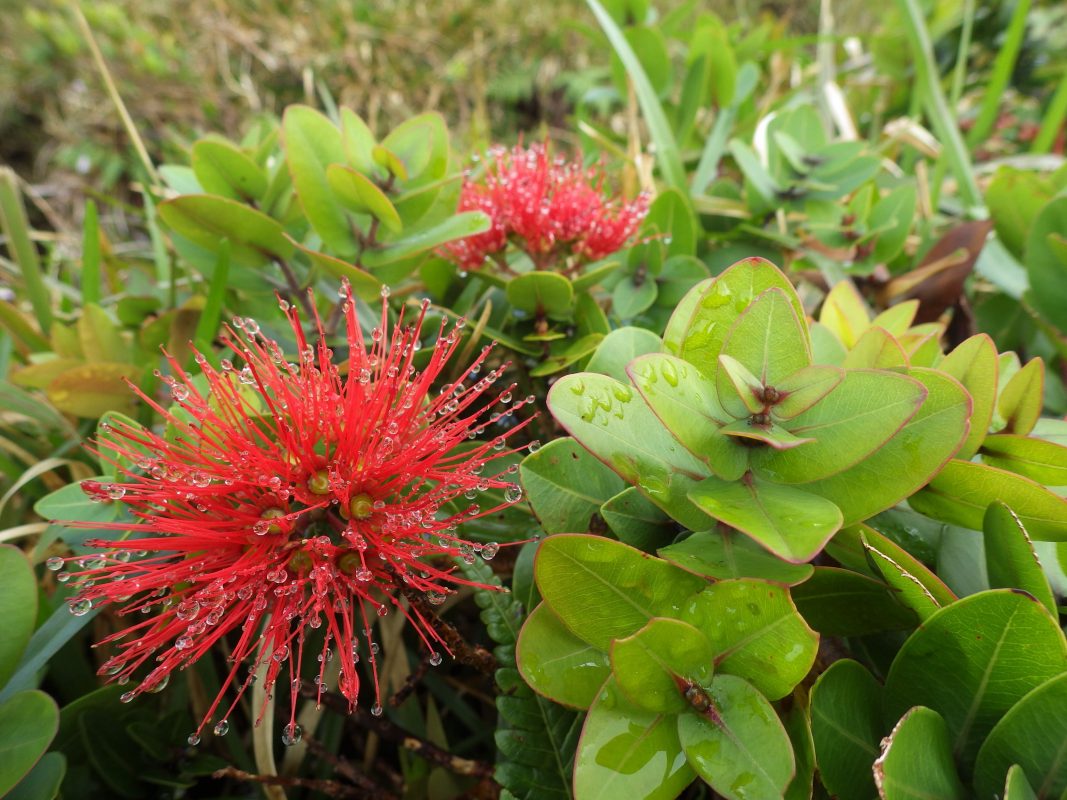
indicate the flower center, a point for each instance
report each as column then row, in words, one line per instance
column 361, row 506
column 319, row 483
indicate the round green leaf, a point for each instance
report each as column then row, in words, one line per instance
column 790, row 522
column 28, row 723
column 768, row 339
column 541, row 293
column 43, row 781
column 1033, row 734
column 619, row 348
column 1046, row 263
column 613, row 422
column 963, row 490
column 637, row 521
column 1011, row 562
column 206, row 220
column 360, row 194
column 840, row 602
column 312, row 143
column 630, row 298
column 909, row 458
column 604, row 590
column 627, row 752
column 566, row 486
column 724, row 554
column 739, row 745
column 556, row 663
column 653, row 666
column 223, row 169
column 850, row 423
column 699, row 325
column 18, row 607
column 974, row 364
column 687, row 403
column 1037, row 459
column 756, row 633
column 846, row 725
column 973, row 660
column 916, row 762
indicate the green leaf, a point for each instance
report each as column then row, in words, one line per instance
column 845, row 313
column 840, row 602
column 974, row 364
column 43, row 781
column 1015, row 197
column 916, row 760
column 604, row 590
column 1033, row 734
column 1016, row 787
column 421, row 142
column 100, row 337
column 739, row 746
column 28, row 723
column 566, row 486
column 724, row 554
column 687, row 403
column 618, row 428
column 626, row 752
column 756, row 176
column 1020, row 400
column 770, row 434
column 804, row 388
column 769, row 339
column 973, row 660
column 846, row 724
column 790, row 522
column 18, row 607
column 649, row 46
column 565, row 352
column 963, row 490
column 699, row 325
column 756, row 632
column 863, row 537
column 254, row 238
column 364, row 285
column 361, row 195
column 636, row 521
column 541, row 293
column 1011, row 562
column 653, row 665
column 876, row 349
column 91, row 390
column 312, row 143
column 1046, row 264
column 667, row 155
column 619, row 348
column 892, row 217
column 910, row 591
column 422, row 241
column 850, row 423
column 629, row 299
column 557, row 664
column 908, row 460
column 671, row 217
column 222, row 169
column 1037, row 459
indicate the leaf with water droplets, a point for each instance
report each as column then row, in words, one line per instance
column 699, row 324
column 769, row 338
column 739, row 746
column 626, row 752
column 790, row 522
column 723, row 554
column 654, row 665
column 556, row 663
column 603, row 589
column 756, row 633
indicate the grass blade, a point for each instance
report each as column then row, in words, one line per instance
column 667, row 155
column 1053, row 120
column 91, row 255
column 23, row 252
column 1003, row 66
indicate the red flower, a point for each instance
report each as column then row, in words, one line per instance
column 295, row 496
column 552, row 209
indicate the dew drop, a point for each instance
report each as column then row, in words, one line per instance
column 292, row 734
column 222, row 727
column 55, row 563
column 80, row 608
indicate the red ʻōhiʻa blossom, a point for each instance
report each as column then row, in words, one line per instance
column 555, row 210
column 290, row 496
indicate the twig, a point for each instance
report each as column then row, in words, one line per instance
column 393, row 733
column 347, row 769
column 327, row 787
column 294, row 287
column 473, row 655
column 410, row 683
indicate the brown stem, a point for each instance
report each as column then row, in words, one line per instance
column 472, row 655
column 294, row 287
column 347, row 769
column 397, row 735
column 326, row 787
column 410, row 683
